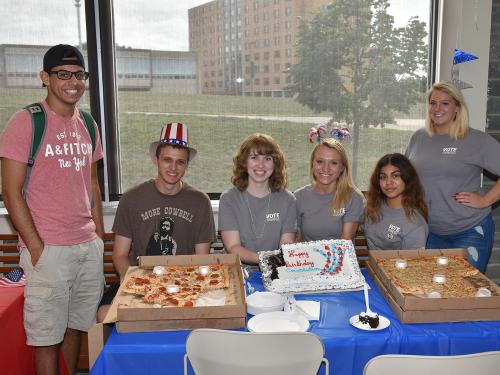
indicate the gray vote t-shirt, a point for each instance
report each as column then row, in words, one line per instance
column 315, row 218
column 395, row 231
column 260, row 221
column 447, row 167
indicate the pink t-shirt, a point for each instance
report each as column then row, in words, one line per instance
column 59, row 192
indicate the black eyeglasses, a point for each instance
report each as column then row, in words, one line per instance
column 66, row 75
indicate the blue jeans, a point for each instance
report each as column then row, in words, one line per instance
column 478, row 241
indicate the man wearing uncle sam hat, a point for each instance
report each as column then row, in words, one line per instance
column 165, row 215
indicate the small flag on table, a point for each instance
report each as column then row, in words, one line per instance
column 13, row 278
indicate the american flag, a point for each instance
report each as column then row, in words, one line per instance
column 13, row 278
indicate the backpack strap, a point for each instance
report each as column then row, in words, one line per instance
column 88, row 120
column 38, row 121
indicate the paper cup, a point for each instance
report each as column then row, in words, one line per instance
column 159, row 270
column 204, row 270
column 442, row 261
column 401, row 264
column 433, row 294
column 172, row 288
column 439, row 279
column 483, row 292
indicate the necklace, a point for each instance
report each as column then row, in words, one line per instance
column 254, row 228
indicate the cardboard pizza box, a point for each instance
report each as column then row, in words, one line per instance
column 97, row 337
column 131, row 314
column 414, row 309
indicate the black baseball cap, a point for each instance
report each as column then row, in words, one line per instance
column 62, row 54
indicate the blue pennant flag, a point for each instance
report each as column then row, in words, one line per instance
column 460, row 56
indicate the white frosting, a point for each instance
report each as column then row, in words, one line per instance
column 316, row 265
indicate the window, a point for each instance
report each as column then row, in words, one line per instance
column 159, row 79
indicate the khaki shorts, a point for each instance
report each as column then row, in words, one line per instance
column 62, row 291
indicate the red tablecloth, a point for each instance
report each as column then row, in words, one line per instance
column 16, row 358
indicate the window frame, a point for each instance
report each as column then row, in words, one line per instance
column 103, row 86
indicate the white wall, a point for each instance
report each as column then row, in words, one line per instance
column 465, row 25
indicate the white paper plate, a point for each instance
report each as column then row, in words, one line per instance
column 383, row 323
column 262, row 302
column 278, row 321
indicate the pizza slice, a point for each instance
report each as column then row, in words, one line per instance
column 138, row 285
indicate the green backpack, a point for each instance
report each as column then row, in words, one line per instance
column 38, row 121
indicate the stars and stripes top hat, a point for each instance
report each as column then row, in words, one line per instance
column 174, row 133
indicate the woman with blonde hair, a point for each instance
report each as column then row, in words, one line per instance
column 396, row 214
column 449, row 157
column 331, row 207
column 257, row 213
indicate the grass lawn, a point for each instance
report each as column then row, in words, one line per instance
column 217, row 135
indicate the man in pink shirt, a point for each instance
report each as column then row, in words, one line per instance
column 59, row 214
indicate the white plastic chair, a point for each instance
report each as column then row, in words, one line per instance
column 487, row 363
column 220, row 352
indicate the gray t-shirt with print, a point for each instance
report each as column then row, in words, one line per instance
column 315, row 218
column 395, row 231
column 260, row 221
column 447, row 167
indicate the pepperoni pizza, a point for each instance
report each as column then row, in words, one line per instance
column 178, row 286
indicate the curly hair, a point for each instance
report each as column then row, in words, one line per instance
column 345, row 186
column 262, row 144
column 461, row 118
column 413, row 195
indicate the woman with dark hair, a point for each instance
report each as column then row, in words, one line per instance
column 396, row 214
column 258, row 213
column 449, row 157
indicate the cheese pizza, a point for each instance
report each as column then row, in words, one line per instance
column 417, row 278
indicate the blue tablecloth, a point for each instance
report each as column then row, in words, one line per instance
column 347, row 348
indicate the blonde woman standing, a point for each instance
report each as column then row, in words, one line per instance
column 449, row 157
